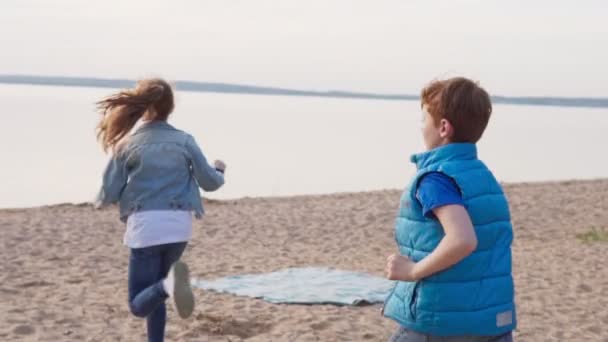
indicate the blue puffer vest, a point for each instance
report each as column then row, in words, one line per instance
column 475, row 296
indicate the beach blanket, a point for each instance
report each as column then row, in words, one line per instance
column 309, row 285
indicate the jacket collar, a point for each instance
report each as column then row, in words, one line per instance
column 449, row 152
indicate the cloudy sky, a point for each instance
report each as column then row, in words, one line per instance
column 513, row 47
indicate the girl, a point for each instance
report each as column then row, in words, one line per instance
column 154, row 176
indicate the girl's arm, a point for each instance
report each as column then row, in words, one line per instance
column 206, row 176
column 114, row 181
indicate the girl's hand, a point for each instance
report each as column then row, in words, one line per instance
column 219, row 165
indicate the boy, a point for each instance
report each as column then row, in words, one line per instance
column 453, row 230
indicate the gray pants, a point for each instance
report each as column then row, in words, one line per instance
column 404, row 335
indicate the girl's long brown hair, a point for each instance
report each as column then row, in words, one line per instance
column 121, row 111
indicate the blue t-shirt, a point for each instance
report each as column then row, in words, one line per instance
column 435, row 189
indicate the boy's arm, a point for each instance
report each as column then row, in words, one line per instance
column 459, row 242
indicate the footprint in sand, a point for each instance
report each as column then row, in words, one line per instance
column 595, row 330
column 320, row 326
column 226, row 325
column 8, row 291
column 368, row 336
column 24, row 330
column 585, row 288
column 36, row 283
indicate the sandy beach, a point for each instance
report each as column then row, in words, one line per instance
column 63, row 268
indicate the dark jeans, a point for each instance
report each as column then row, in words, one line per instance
column 404, row 335
column 147, row 268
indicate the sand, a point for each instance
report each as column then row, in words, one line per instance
column 63, row 267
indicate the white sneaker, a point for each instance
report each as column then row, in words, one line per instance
column 177, row 286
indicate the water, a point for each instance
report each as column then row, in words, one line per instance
column 276, row 145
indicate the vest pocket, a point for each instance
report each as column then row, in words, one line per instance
column 388, row 298
column 414, row 301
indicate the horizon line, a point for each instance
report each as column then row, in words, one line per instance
column 231, row 88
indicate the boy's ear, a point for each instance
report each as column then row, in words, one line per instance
column 446, row 130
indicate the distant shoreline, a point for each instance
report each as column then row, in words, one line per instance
column 515, row 185
column 214, row 87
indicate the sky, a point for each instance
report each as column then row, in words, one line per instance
column 514, row 48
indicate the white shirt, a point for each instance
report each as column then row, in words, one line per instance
column 158, row 227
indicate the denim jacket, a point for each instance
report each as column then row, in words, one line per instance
column 159, row 168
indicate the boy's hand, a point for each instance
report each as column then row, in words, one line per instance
column 219, row 165
column 399, row 267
